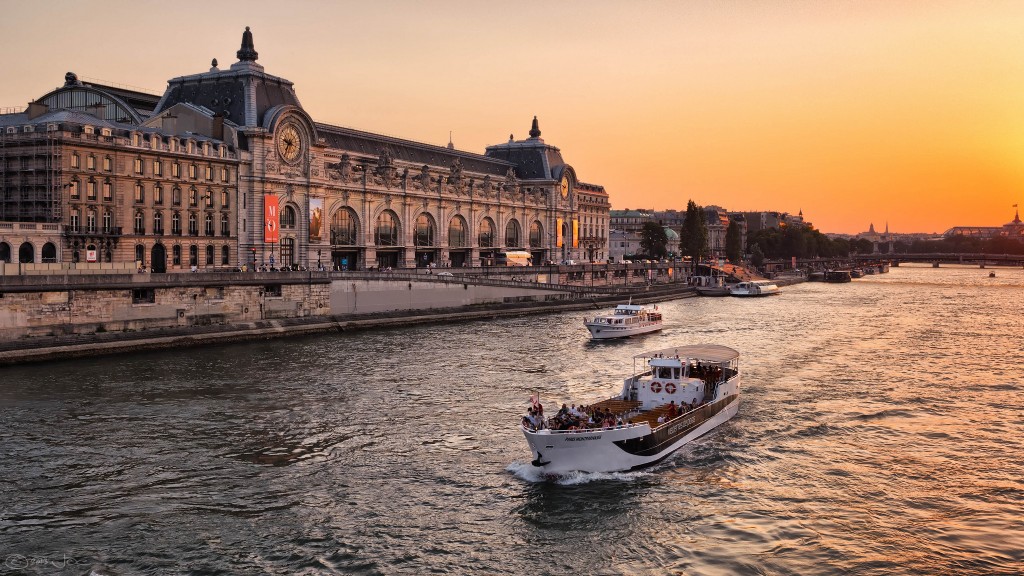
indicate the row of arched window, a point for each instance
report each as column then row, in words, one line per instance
column 27, row 253
column 344, row 231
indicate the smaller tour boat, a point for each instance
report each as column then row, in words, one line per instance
column 625, row 320
column 674, row 396
column 838, row 276
column 754, row 288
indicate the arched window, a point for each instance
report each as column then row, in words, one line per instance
column 457, row 233
column 5, row 252
column 386, row 233
column 26, row 254
column 90, row 221
column 288, row 217
column 343, row 227
column 176, row 223
column 424, row 232
column 225, row 255
column 140, row 253
column 536, row 235
column 108, row 222
column 225, row 229
column 140, row 222
column 193, row 224
column 176, row 255
column 512, row 237
column 208, row 225
column 158, row 223
column 193, row 255
column 49, row 253
column 486, row 236
column 209, row 255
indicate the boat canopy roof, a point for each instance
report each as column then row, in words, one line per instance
column 709, row 352
column 634, row 307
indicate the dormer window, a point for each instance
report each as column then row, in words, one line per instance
column 105, row 132
column 29, row 128
column 89, row 130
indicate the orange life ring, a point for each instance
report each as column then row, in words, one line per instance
column 655, row 387
column 670, row 388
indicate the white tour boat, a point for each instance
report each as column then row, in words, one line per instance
column 625, row 320
column 678, row 395
column 754, row 288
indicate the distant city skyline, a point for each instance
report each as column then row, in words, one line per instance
column 856, row 113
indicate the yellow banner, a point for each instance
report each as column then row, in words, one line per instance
column 558, row 239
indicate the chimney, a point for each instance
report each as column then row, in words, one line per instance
column 97, row 110
column 169, row 123
column 218, row 126
column 36, row 109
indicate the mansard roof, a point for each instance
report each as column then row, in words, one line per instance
column 242, row 94
column 534, row 159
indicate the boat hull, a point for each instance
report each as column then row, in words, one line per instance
column 600, row 331
column 623, row 449
column 713, row 290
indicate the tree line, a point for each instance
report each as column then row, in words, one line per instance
column 804, row 242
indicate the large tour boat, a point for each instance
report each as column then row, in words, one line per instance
column 674, row 396
column 625, row 320
column 754, row 288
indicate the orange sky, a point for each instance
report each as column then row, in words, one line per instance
column 855, row 112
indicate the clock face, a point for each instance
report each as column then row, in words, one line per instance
column 565, row 186
column 289, row 143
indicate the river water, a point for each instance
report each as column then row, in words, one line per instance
column 881, row 431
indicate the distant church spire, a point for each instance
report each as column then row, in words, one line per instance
column 871, row 229
column 535, row 129
column 248, row 51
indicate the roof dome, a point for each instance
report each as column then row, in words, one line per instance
column 671, row 234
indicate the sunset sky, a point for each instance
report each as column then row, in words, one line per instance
column 910, row 113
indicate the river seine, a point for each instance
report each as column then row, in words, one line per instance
column 881, row 431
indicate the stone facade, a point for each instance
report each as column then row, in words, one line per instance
column 295, row 192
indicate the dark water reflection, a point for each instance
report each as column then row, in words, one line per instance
column 880, row 433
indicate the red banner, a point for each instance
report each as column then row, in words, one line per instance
column 270, row 220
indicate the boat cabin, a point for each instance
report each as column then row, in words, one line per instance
column 688, row 379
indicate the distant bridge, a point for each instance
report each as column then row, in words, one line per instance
column 936, row 259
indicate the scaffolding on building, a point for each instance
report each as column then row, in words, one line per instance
column 31, row 177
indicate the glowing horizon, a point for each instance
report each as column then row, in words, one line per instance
column 857, row 113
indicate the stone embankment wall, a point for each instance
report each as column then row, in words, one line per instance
column 41, row 306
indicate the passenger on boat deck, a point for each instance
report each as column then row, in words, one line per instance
column 563, row 411
column 673, row 410
column 661, row 419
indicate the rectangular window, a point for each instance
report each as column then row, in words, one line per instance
column 225, row 199
column 158, row 194
column 90, row 190
column 224, row 174
column 209, row 172
column 76, row 161
column 108, row 163
column 273, row 290
column 158, row 168
column 138, row 165
column 139, row 196
column 90, row 162
column 176, row 170
column 193, row 170
column 107, row 192
column 144, row 296
column 74, row 191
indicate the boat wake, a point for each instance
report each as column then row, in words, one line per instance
column 530, row 473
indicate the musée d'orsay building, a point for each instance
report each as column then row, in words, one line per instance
column 226, row 169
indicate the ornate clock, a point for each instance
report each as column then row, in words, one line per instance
column 290, row 143
column 565, row 186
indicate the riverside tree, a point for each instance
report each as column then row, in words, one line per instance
column 693, row 238
column 733, row 243
column 653, row 240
